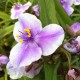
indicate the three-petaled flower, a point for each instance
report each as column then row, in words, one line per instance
column 18, row 9
column 33, row 41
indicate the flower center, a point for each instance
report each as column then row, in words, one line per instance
column 62, row 1
column 24, row 37
column 17, row 6
column 28, row 31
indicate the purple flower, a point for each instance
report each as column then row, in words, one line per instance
column 3, row 60
column 67, row 6
column 76, row 2
column 18, row 9
column 74, row 46
column 71, row 73
column 33, row 41
column 36, row 9
column 29, row 71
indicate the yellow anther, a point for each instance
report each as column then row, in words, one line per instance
column 28, row 31
column 29, row 34
column 21, row 41
column 17, row 35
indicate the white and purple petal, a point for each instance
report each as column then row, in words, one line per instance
column 18, row 9
column 76, row 27
column 33, row 70
column 32, row 22
column 18, row 31
column 50, row 38
column 67, row 5
column 3, row 59
column 76, row 2
column 35, row 9
column 26, row 6
column 23, row 54
column 14, row 71
column 72, row 73
column 69, row 10
column 70, row 48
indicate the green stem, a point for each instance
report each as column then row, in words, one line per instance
column 68, row 56
column 75, row 15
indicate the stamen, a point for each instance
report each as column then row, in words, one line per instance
column 29, row 34
column 17, row 36
column 21, row 41
column 28, row 31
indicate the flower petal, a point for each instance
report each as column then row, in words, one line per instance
column 26, row 6
column 24, row 54
column 35, row 9
column 15, row 13
column 22, row 8
column 78, row 39
column 33, row 71
column 68, row 9
column 3, row 59
column 76, row 2
column 76, row 26
column 14, row 71
column 30, row 21
column 69, row 48
column 50, row 38
column 18, row 32
column 72, row 73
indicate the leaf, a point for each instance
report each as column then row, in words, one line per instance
column 47, row 12
column 24, row 78
column 68, row 56
column 4, row 15
column 6, row 31
column 51, row 70
column 61, row 21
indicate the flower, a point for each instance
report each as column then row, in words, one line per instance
column 72, row 73
column 74, row 46
column 33, row 41
column 29, row 71
column 36, row 9
column 67, row 6
column 76, row 2
column 18, row 9
column 3, row 60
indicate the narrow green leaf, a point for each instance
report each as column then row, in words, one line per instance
column 24, row 78
column 4, row 15
column 51, row 70
column 60, row 20
column 6, row 31
column 47, row 12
